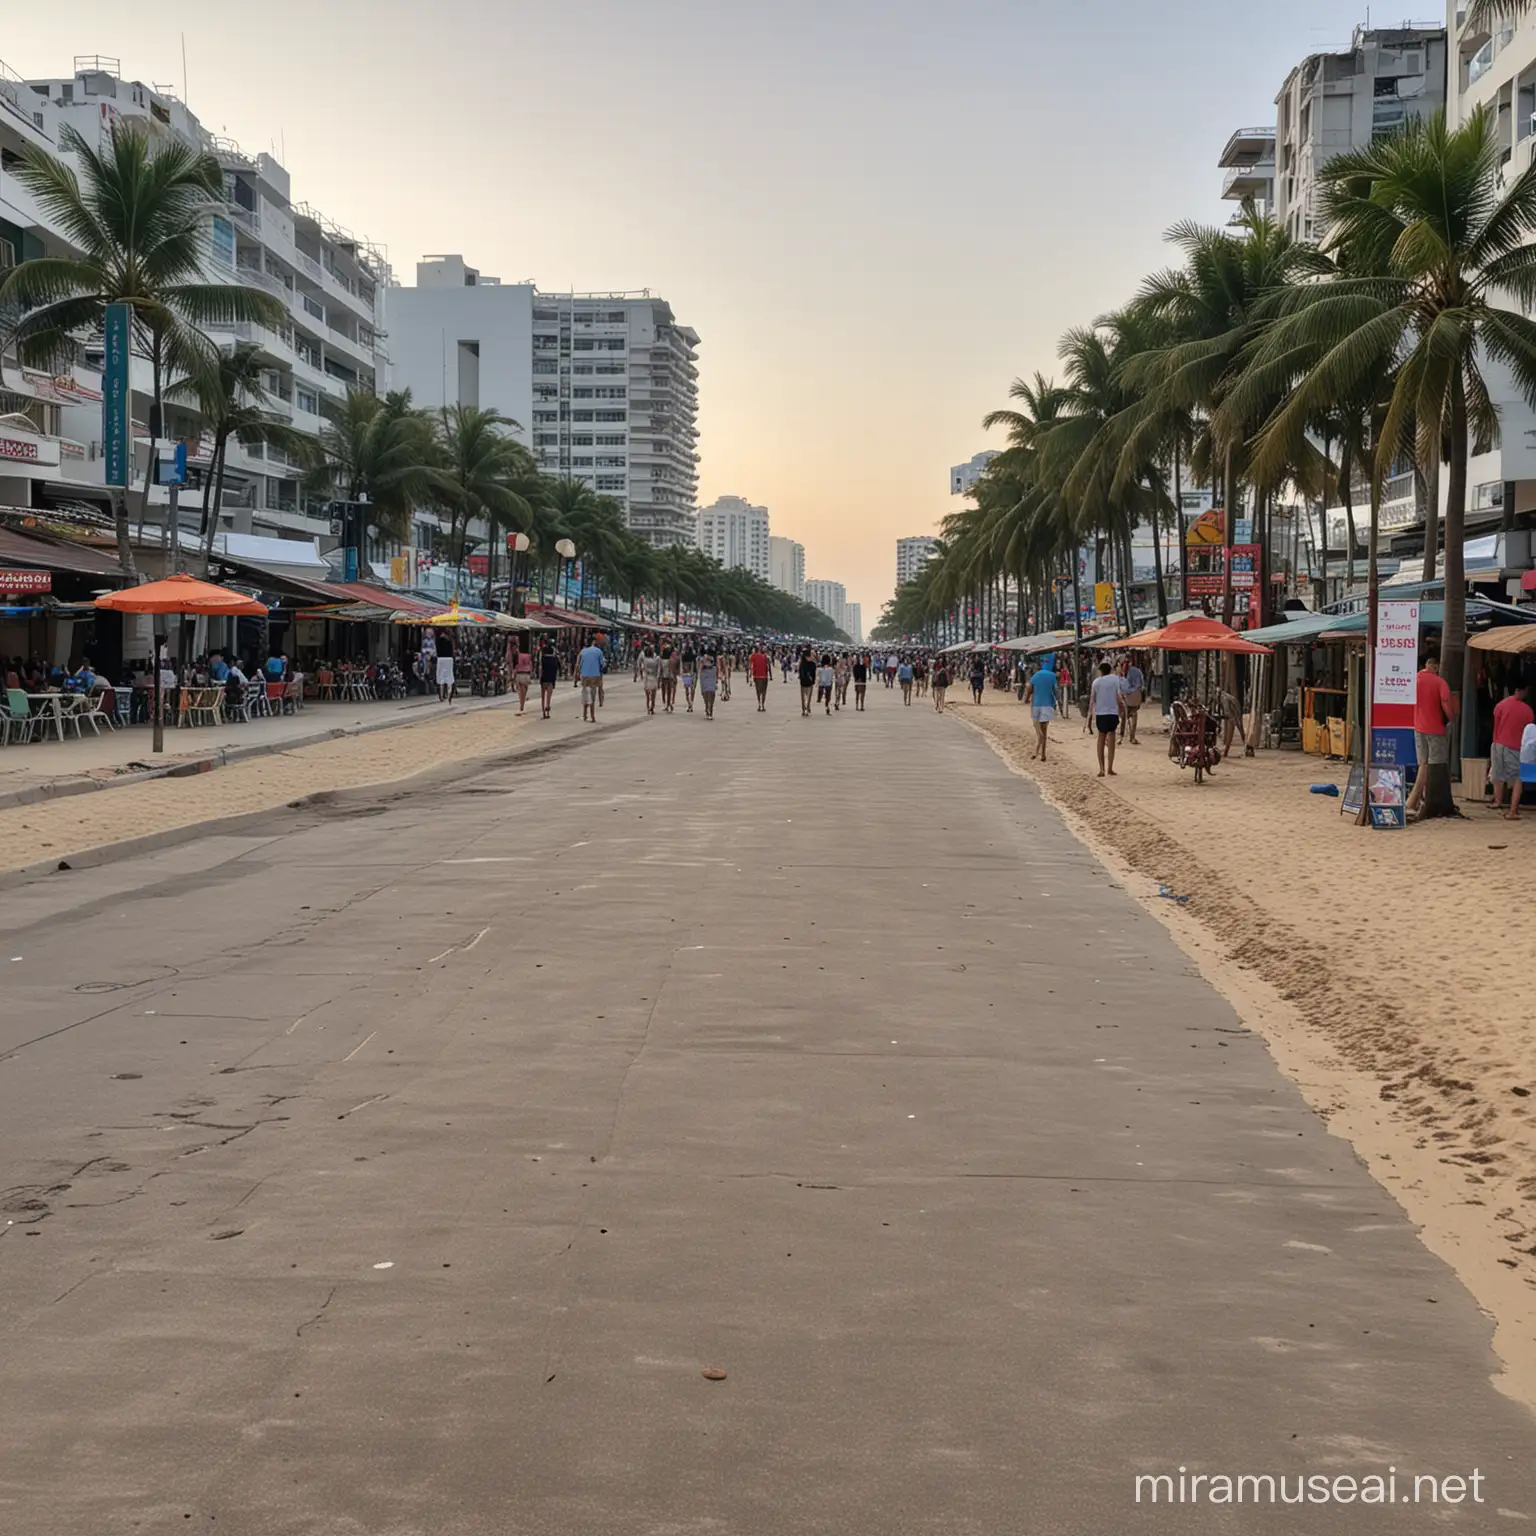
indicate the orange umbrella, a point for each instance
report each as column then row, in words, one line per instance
column 182, row 594
column 1197, row 634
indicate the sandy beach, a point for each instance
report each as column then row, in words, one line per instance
column 1363, row 957
column 32, row 834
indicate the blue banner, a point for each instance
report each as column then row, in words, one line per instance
column 117, row 395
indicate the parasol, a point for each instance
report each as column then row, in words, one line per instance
column 1198, row 634
column 182, row 594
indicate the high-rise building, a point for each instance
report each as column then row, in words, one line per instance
column 604, row 387
column 329, row 281
column 1333, row 102
column 1249, row 161
column 963, row 477
column 830, row 598
column 912, row 555
column 786, row 565
column 734, row 532
column 853, row 622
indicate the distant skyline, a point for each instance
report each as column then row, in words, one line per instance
column 876, row 213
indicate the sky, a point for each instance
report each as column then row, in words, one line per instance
column 876, row 213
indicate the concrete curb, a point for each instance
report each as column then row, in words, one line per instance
column 220, row 757
column 392, row 789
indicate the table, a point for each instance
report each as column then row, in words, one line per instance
column 51, row 707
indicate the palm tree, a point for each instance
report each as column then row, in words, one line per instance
column 482, row 473
column 137, row 218
column 383, row 451
column 1420, row 214
column 228, row 394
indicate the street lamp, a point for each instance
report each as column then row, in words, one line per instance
column 566, row 549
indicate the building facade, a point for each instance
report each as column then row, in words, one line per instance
column 963, row 477
column 1333, row 102
column 328, row 280
column 734, row 532
column 786, row 565
column 830, row 598
column 853, row 622
column 603, row 387
column 912, row 555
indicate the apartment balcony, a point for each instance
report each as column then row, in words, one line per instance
column 1255, row 181
column 1248, row 146
column 273, row 344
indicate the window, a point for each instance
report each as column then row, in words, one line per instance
column 546, row 440
column 613, row 344
column 614, row 317
column 610, row 368
column 542, row 416
column 581, row 415
column 610, row 482
column 307, row 400
column 582, row 459
column 582, row 394
column 612, row 415
column 546, row 314
column 611, row 392
column 610, row 439
column 581, row 440
column 582, row 368
column 610, row 461
column 545, row 365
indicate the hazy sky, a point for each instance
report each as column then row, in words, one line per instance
column 874, row 212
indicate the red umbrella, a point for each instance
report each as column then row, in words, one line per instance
column 182, row 594
column 1197, row 634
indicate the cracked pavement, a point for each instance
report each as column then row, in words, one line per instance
column 399, row 1167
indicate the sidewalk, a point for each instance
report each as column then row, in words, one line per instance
column 44, row 770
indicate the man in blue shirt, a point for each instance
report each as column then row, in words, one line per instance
column 218, row 668
column 1041, row 697
column 589, row 675
column 1131, row 694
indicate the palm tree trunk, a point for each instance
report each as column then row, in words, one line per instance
column 156, row 426
column 1438, row 800
column 1372, row 593
column 211, row 517
column 1346, row 494
column 1432, row 517
column 124, row 533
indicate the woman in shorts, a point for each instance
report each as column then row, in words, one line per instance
column 549, row 675
column 709, row 681
column 689, row 665
column 522, row 677
column 826, row 682
column 650, row 677
column 940, row 683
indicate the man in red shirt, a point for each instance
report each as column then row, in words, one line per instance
column 1510, row 718
column 1434, row 708
column 760, row 665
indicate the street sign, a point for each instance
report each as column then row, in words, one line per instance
column 117, row 395
column 26, row 581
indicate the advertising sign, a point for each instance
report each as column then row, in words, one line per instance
column 117, row 395
column 1387, row 801
column 1104, row 598
column 1209, row 527
column 1394, row 684
column 1245, row 566
column 26, row 581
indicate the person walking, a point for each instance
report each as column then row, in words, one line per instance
column 549, row 675
column 726, row 667
column 1040, row 692
column 1132, row 688
column 688, row 664
column 892, row 663
column 860, row 670
column 522, row 677
column 978, row 676
column 1511, row 716
column 670, row 667
column 784, row 664
column 840, row 687
column 940, row 682
column 760, row 665
column 650, row 676
column 826, row 682
column 709, row 682
column 904, row 677
column 920, row 676
column 1104, row 706
column 590, row 662
column 443, row 672
column 1435, row 707
column 808, row 671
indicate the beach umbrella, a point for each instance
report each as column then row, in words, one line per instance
column 181, row 595
column 1197, row 634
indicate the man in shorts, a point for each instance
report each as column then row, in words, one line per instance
column 1040, row 694
column 1511, row 717
column 807, row 674
column 1104, row 710
column 589, row 676
column 760, row 668
column 1433, row 710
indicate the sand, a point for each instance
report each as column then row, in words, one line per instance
column 1384, row 969
column 33, row 834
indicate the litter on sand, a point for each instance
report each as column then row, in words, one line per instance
column 1168, row 893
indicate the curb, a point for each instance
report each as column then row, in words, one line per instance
column 220, row 757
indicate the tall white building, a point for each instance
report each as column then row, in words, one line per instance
column 1249, row 161
column 786, row 565
column 328, row 280
column 604, row 386
column 1333, row 102
column 1494, row 66
column 912, row 555
column 853, row 622
column 830, row 598
column 734, row 532
column 963, row 477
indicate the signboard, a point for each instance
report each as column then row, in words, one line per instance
column 117, row 395
column 399, row 570
column 1104, row 598
column 1242, row 530
column 172, row 469
column 26, row 581
column 1205, row 570
column 1210, row 527
column 1354, row 791
column 1387, row 800
column 1245, row 565
column 23, row 448
column 1394, row 683
column 479, row 565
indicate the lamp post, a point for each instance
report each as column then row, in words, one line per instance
column 517, row 547
column 566, row 549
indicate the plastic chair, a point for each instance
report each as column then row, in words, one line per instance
column 19, row 719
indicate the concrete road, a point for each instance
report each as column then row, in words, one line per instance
column 397, row 1168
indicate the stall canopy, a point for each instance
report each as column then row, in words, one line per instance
column 1036, row 645
column 55, row 555
column 964, row 645
column 1512, row 639
column 570, row 618
column 1200, row 634
column 1313, row 626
